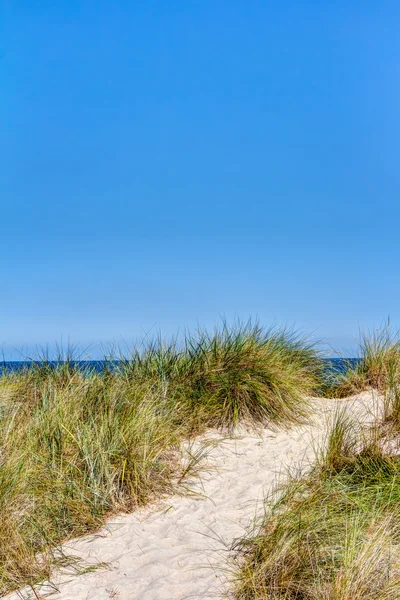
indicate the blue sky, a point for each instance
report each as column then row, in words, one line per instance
column 166, row 164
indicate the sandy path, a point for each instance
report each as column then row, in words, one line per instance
column 177, row 550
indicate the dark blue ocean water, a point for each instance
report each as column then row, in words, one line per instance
column 341, row 365
column 87, row 366
column 334, row 365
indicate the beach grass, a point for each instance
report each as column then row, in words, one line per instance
column 333, row 534
column 77, row 446
column 378, row 365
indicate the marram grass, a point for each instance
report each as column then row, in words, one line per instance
column 76, row 447
column 333, row 534
column 378, row 367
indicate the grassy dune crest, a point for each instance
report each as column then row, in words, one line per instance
column 250, row 375
column 77, row 446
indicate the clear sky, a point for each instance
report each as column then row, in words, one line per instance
column 167, row 163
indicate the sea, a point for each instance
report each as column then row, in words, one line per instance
column 334, row 365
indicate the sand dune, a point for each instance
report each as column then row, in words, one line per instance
column 179, row 548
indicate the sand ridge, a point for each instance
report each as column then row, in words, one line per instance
column 179, row 549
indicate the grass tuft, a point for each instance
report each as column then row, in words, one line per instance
column 250, row 375
column 378, row 367
column 334, row 534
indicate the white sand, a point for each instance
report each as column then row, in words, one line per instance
column 179, row 548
